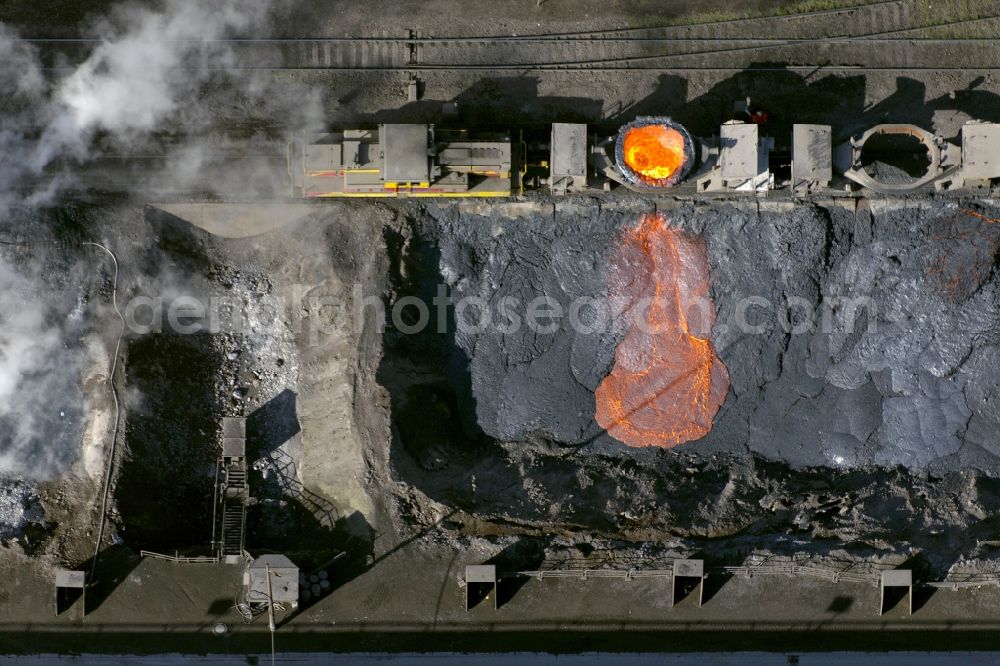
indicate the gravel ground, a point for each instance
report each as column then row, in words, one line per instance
column 433, row 17
column 19, row 508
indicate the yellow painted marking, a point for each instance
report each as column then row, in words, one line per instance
column 330, row 195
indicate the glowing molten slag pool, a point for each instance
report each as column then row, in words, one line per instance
column 667, row 382
column 654, row 152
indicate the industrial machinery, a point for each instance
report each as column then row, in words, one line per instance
column 942, row 158
column 402, row 161
column 647, row 155
column 271, row 586
column 812, row 160
column 568, row 166
column 738, row 162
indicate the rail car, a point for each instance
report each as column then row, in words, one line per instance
column 398, row 160
column 648, row 155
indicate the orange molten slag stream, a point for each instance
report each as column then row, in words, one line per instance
column 654, row 151
column 667, row 382
column 973, row 213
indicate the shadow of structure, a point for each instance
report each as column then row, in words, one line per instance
column 353, row 540
column 840, row 604
column 220, row 606
column 788, row 97
column 181, row 247
column 500, row 103
column 791, row 97
column 434, row 425
column 269, row 428
column 714, row 582
column 524, row 555
column 114, row 564
column 345, row 552
column 280, row 469
column 496, row 104
column 290, row 518
column 272, row 424
column 476, row 591
column 922, row 573
column 285, row 513
column 894, row 597
column 163, row 492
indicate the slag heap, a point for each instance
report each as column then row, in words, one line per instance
column 667, row 382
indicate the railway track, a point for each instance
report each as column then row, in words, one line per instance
column 898, row 34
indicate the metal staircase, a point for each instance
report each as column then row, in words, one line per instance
column 234, row 511
column 232, row 492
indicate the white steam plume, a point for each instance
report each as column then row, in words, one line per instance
column 144, row 73
column 40, row 393
column 147, row 66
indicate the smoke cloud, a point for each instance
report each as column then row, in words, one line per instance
column 41, row 399
column 144, row 74
column 146, row 69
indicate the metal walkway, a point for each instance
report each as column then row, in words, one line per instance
column 232, row 492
